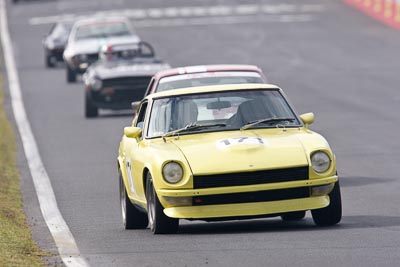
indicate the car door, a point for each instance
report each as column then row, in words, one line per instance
column 134, row 163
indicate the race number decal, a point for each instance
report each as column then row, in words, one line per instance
column 225, row 143
column 129, row 172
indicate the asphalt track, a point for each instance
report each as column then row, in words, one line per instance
column 328, row 58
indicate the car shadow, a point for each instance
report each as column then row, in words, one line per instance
column 277, row 225
column 355, row 181
column 114, row 114
column 57, row 66
column 31, row 1
column 247, row 226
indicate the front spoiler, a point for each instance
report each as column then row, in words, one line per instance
column 243, row 189
column 247, row 209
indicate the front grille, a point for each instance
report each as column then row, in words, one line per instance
column 250, row 178
column 92, row 57
column 121, row 91
column 249, row 197
column 131, row 83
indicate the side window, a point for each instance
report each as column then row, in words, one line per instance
column 141, row 115
column 148, row 91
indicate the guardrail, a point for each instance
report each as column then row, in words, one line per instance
column 385, row 11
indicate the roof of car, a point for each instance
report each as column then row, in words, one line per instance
column 206, row 68
column 96, row 20
column 212, row 88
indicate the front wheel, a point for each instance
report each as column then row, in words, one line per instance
column 159, row 223
column 132, row 218
column 91, row 110
column 49, row 62
column 332, row 214
column 71, row 75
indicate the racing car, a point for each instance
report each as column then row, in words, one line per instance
column 224, row 152
column 120, row 76
column 88, row 36
column 202, row 75
column 54, row 43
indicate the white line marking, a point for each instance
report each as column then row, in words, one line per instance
column 226, row 20
column 63, row 238
column 191, row 12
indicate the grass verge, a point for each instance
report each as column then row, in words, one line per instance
column 16, row 245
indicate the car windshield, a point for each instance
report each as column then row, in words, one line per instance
column 102, row 30
column 220, row 111
column 208, row 78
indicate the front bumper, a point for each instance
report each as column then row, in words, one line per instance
column 116, row 99
column 245, row 209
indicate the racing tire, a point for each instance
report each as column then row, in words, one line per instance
column 132, row 218
column 159, row 223
column 71, row 75
column 294, row 216
column 91, row 110
column 49, row 63
column 332, row 214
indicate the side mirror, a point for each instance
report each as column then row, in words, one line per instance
column 307, row 118
column 135, row 105
column 132, row 132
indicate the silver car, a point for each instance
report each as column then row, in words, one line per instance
column 88, row 36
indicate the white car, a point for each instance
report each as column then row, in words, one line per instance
column 88, row 36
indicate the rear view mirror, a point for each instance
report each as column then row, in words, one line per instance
column 132, row 132
column 219, row 105
column 307, row 118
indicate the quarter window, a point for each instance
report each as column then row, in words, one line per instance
column 141, row 115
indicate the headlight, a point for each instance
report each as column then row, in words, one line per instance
column 172, row 172
column 320, row 161
column 96, row 83
column 51, row 45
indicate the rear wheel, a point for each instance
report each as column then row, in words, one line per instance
column 332, row 214
column 294, row 216
column 159, row 223
column 91, row 110
column 132, row 218
column 71, row 75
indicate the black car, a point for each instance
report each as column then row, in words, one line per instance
column 54, row 43
column 120, row 76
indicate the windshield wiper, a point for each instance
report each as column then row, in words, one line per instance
column 192, row 126
column 252, row 123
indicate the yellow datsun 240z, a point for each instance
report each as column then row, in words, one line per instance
column 221, row 153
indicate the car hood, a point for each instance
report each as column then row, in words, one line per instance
column 92, row 46
column 250, row 150
column 108, row 71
